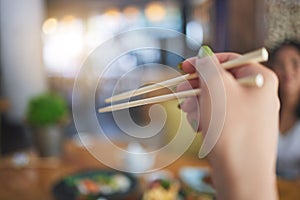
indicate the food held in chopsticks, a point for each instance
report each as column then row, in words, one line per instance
column 254, row 80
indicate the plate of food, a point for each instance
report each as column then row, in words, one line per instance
column 161, row 189
column 171, row 189
column 197, row 178
column 96, row 185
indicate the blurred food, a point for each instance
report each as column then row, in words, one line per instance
column 197, row 179
column 103, row 183
column 208, row 180
column 92, row 185
column 172, row 189
column 162, row 189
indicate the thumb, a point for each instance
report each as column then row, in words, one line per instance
column 212, row 98
column 208, row 66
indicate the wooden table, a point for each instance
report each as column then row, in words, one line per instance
column 35, row 181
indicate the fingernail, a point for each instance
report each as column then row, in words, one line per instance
column 194, row 124
column 180, row 65
column 205, row 51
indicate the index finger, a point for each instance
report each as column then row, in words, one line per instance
column 188, row 65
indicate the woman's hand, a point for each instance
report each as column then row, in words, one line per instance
column 243, row 158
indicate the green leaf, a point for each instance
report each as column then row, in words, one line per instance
column 46, row 109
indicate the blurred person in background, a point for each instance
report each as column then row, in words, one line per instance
column 285, row 61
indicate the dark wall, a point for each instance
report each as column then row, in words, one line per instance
column 239, row 25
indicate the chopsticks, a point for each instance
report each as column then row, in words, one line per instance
column 157, row 99
column 259, row 55
column 256, row 80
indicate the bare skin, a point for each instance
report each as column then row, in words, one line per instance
column 243, row 159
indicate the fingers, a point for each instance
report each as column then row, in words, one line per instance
column 224, row 57
column 194, row 120
column 251, row 69
column 209, row 70
column 188, row 85
column 188, row 65
column 270, row 78
column 204, row 65
column 189, row 104
column 213, row 78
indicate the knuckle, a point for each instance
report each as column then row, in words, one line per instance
column 274, row 78
column 271, row 79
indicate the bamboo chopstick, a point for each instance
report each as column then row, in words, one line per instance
column 157, row 99
column 256, row 80
column 259, row 55
column 151, row 88
column 256, row 56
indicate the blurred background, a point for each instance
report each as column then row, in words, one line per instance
column 44, row 43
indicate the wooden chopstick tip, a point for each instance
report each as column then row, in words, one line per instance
column 265, row 54
column 259, row 80
column 108, row 100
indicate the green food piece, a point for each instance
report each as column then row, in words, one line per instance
column 180, row 65
column 165, row 184
column 205, row 51
column 107, row 179
column 70, row 181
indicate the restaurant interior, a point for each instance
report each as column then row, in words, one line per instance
column 61, row 59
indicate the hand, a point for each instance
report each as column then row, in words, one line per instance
column 243, row 159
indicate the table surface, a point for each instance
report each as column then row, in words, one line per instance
column 35, row 181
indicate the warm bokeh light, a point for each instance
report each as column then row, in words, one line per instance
column 113, row 12
column 155, row 11
column 68, row 19
column 131, row 12
column 50, row 26
column 73, row 38
column 63, row 49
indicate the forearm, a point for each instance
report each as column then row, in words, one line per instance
column 243, row 177
column 245, row 169
column 237, row 184
column 243, row 157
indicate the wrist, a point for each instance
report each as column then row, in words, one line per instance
column 234, row 184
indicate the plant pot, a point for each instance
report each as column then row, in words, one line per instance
column 48, row 140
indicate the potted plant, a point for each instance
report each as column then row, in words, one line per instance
column 46, row 115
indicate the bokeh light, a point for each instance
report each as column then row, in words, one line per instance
column 155, row 11
column 50, row 26
column 131, row 12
